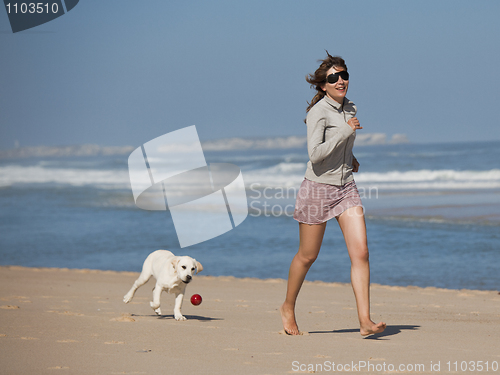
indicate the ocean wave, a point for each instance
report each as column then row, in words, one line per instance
column 223, row 144
column 291, row 174
column 274, row 143
column 101, row 178
column 430, row 175
column 436, row 185
column 283, row 174
column 280, row 175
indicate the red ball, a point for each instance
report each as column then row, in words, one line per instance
column 196, row 299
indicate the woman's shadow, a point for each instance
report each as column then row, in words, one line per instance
column 389, row 331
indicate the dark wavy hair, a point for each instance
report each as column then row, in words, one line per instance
column 318, row 79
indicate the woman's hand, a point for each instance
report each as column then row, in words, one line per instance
column 354, row 123
column 355, row 164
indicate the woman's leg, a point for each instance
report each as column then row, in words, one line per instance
column 352, row 223
column 311, row 237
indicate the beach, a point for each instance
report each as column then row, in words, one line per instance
column 73, row 321
column 72, row 242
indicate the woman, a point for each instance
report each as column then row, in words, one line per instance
column 329, row 190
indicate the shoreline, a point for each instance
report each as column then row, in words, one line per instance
column 249, row 279
column 56, row 320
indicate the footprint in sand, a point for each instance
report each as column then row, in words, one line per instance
column 9, row 307
column 58, row 368
column 123, row 318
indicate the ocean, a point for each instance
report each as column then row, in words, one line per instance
column 432, row 216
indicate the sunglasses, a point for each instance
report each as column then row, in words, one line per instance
column 332, row 78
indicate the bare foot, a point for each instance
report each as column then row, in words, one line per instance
column 288, row 318
column 371, row 328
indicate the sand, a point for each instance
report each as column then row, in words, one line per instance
column 60, row 321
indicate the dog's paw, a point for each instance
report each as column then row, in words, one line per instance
column 180, row 317
column 127, row 298
column 156, row 308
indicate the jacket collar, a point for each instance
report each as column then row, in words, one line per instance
column 334, row 103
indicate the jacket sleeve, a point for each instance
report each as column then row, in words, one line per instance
column 350, row 110
column 317, row 147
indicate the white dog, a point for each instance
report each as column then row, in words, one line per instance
column 172, row 274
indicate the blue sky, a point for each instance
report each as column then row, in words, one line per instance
column 117, row 72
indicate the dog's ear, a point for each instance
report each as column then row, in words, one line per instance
column 199, row 267
column 174, row 262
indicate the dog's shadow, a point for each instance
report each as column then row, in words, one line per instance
column 389, row 331
column 188, row 317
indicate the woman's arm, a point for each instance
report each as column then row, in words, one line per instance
column 317, row 147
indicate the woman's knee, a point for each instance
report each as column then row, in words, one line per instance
column 360, row 254
column 306, row 258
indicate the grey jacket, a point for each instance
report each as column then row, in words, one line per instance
column 329, row 142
